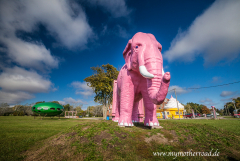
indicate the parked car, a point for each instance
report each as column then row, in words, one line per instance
column 217, row 114
column 190, row 115
column 198, row 115
column 209, row 115
column 236, row 113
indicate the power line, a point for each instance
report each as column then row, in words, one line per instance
column 211, row 86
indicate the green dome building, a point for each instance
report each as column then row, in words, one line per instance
column 47, row 109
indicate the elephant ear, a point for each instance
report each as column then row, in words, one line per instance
column 127, row 54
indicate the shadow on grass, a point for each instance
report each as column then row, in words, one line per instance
column 141, row 125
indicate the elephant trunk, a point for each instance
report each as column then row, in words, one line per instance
column 157, row 86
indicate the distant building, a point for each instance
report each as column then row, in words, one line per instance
column 170, row 109
column 161, row 106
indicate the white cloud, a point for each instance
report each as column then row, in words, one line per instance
column 30, row 54
column 236, row 95
column 70, row 100
column 227, row 93
column 205, row 100
column 121, row 32
column 82, row 88
column 215, row 34
column 18, row 79
column 210, row 104
column 179, row 90
column 116, row 8
column 66, row 21
column 216, row 79
column 18, row 84
column 63, row 19
column 14, row 97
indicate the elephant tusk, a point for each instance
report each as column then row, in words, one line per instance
column 162, row 72
column 145, row 73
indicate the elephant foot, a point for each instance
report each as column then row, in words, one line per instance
column 115, row 119
column 125, row 123
column 152, row 123
column 136, row 120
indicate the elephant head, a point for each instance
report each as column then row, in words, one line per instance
column 143, row 55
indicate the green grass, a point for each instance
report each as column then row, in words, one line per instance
column 226, row 124
column 18, row 133
column 79, row 139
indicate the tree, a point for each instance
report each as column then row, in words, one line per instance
column 97, row 111
column 67, row 107
column 82, row 113
column 229, row 106
column 39, row 102
column 90, row 110
column 237, row 102
column 56, row 102
column 4, row 108
column 188, row 108
column 102, row 83
column 23, row 109
column 196, row 107
column 205, row 110
column 78, row 109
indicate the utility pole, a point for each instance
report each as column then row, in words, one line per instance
column 177, row 103
column 88, row 111
column 234, row 105
column 225, row 109
column 228, row 110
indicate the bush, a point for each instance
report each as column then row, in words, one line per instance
column 18, row 113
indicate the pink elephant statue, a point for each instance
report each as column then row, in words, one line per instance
column 137, row 113
column 142, row 77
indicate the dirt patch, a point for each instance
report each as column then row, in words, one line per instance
column 50, row 147
column 71, row 134
column 173, row 133
column 121, row 135
column 169, row 135
column 159, row 138
column 85, row 128
column 104, row 135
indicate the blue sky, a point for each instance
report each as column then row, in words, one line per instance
column 48, row 47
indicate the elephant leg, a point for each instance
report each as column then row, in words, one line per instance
column 135, row 112
column 126, row 104
column 150, row 111
column 117, row 109
column 115, row 103
column 140, row 111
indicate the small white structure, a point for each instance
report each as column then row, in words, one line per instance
column 74, row 114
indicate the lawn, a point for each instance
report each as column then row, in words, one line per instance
column 18, row 133
column 227, row 124
column 23, row 138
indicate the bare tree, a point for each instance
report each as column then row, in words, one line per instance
column 98, row 111
column 26, row 109
column 4, row 108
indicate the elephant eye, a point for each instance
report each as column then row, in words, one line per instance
column 136, row 46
